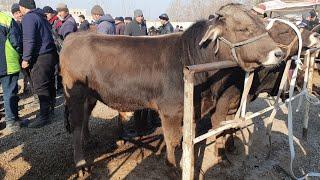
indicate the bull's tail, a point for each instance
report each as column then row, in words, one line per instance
column 66, row 118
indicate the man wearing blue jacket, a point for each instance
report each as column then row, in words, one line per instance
column 10, row 50
column 40, row 56
column 104, row 22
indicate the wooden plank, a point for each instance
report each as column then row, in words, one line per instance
column 263, row 111
column 211, row 66
column 188, row 127
column 309, row 51
column 217, row 131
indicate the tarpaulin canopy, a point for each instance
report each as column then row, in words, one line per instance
column 278, row 5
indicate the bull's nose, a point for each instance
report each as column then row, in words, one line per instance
column 278, row 54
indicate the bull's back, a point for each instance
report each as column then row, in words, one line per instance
column 123, row 70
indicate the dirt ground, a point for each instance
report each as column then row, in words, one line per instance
column 47, row 153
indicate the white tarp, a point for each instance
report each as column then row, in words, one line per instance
column 278, row 5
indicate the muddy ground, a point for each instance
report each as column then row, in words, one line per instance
column 47, row 153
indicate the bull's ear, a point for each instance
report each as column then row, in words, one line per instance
column 212, row 34
column 220, row 16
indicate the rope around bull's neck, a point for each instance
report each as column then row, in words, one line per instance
column 288, row 47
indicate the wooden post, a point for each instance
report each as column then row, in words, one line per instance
column 310, row 70
column 244, row 105
column 188, row 127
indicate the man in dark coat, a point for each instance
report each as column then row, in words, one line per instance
column 137, row 27
column 40, row 56
column 120, row 26
column 69, row 24
column 104, row 22
column 84, row 24
column 166, row 27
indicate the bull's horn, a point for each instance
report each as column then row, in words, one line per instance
column 270, row 25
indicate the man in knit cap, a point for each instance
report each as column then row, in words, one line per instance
column 104, row 22
column 40, row 56
column 137, row 27
column 69, row 24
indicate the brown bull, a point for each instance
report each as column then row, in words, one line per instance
column 265, row 80
column 133, row 73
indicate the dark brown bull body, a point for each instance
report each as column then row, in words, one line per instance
column 132, row 73
column 266, row 80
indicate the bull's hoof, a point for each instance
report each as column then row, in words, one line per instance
column 158, row 153
column 174, row 173
column 81, row 164
column 230, row 147
column 84, row 172
column 305, row 134
column 121, row 143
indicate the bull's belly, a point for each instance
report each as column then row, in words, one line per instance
column 126, row 107
column 125, row 104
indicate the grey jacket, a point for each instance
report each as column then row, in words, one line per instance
column 105, row 25
column 136, row 29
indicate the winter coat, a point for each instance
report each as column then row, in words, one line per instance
column 37, row 35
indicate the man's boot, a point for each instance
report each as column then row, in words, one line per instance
column 44, row 117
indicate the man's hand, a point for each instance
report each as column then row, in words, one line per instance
column 24, row 64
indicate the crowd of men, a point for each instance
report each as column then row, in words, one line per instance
column 30, row 43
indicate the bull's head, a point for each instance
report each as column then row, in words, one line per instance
column 242, row 37
column 312, row 40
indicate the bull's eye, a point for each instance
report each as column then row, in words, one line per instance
column 243, row 29
column 283, row 32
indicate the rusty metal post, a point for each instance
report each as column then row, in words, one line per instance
column 188, row 127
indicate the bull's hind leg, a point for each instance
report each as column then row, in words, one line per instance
column 89, row 105
column 76, row 118
column 171, row 127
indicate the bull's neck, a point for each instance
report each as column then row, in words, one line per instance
column 193, row 54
